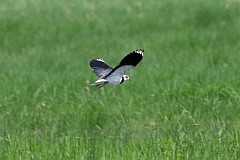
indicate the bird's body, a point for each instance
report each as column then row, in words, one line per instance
column 117, row 75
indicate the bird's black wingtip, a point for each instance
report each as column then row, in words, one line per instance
column 140, row 51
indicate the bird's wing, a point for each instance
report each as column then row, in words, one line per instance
column 100, row 68
column 127, row 63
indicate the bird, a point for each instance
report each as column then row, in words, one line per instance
column 116, row 75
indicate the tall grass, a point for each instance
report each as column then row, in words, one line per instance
column 183, row 100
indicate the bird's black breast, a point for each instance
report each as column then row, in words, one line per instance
column 122, row 80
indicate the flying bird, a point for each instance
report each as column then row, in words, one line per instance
column 117, row 75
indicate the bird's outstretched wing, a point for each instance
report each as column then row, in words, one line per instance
column 100, row 68
column 127, row 63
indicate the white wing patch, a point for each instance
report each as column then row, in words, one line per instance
column 101, row 60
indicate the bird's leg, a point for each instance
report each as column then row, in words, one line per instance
column 99, row 83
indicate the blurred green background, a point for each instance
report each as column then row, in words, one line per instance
column 183, row 101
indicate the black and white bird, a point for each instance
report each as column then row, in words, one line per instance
column 117, row 75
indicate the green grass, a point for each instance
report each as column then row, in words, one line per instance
column 183, row 101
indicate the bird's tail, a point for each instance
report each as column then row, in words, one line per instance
column 99, row 83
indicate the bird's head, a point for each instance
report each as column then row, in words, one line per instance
column 126, row 77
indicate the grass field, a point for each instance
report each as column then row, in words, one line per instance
column 183, row 101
